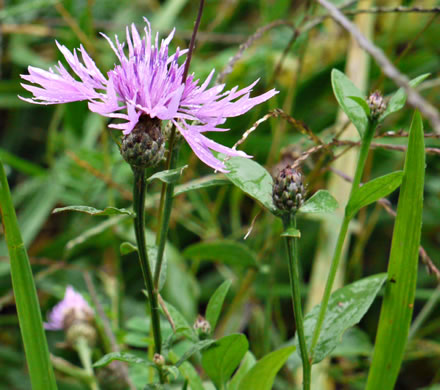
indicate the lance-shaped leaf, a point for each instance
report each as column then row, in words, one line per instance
column 197, row 347
column 220, row 360
column 169, row 176
column 251, row 178
column 216, row 302
column 372, row 191
column 344, row 91
column 92, row 211
column 321, row 202
column 261, row 376
column 397, row 306
column 346, row 308
column 198, row 184
column 123, row 357
column 398, row 100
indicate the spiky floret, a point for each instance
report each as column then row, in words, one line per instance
column 149, row 82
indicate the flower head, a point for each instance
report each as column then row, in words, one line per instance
column 72, row 309
column 147, row 81
column 288, row 192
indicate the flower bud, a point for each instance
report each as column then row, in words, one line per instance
column 144, row 146
column 158, row 360
column 81, row 329
column 288, row 192
column 202, row 326
column 377, row 104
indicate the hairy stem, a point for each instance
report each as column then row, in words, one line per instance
column 85, row 355
column 139, row 205
column 295, row 284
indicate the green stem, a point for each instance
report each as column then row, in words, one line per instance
column 139, row 205
column 166, row 203
column 295, row 284
column 85, row 355
column 363, row 154
column 28, row 309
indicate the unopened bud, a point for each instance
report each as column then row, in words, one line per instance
column 81, row 329
column 158, row 360
column 288, row 190
column 377, row 104
column 144, row 146
column 202, row 326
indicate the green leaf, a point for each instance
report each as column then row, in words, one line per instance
column 127, row 247
column 372, row 191
column 344, row 91
column 199, row 184
column 216, row 302
column 364, row 105
column 321, row 202
column 397, row 306
column 169, row 176
column 152, row 256
column 251, row 178
column 291, row 232
column 247, row 363
column 262, row 375
column 220, row 360
column 180, row 322
column 355, row 342
column 224, row 251
column 93, row 211
column 398, row 100
column 26, row 300
column 123, row 357
column 346, row 308
column 197, row 347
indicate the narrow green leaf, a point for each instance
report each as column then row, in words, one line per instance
column 346, row 308
column 291, row 232
column 127, row 247
column 251, row 178
column 224, row 251
column 180, row 322
column 344, row 91
column 361, row 101
column 398, row 100
column 199, row 184
column 372, row 191
column 197, row 347
column 246, row 364
column 169, row 176
column 220, row 360
column 20, row 164
column 28, row 309
column 321, row 202
column 123, row 357
column 262, row 375
column 191, row 375
column 93, row 211
column 215, row 303
column 397, row 306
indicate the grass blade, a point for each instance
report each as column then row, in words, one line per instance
column 29, row 315
column 397, row 307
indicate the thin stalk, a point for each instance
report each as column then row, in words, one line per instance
column 28, row 309
column 85, row 355
column 365, row 146
column 139, row 228
column 166, row 196
column 166, row 205
column 292, row 250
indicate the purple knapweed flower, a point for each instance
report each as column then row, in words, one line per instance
column 146, row 82
column 73, row 308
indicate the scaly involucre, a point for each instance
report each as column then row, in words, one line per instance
column 146, row 82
